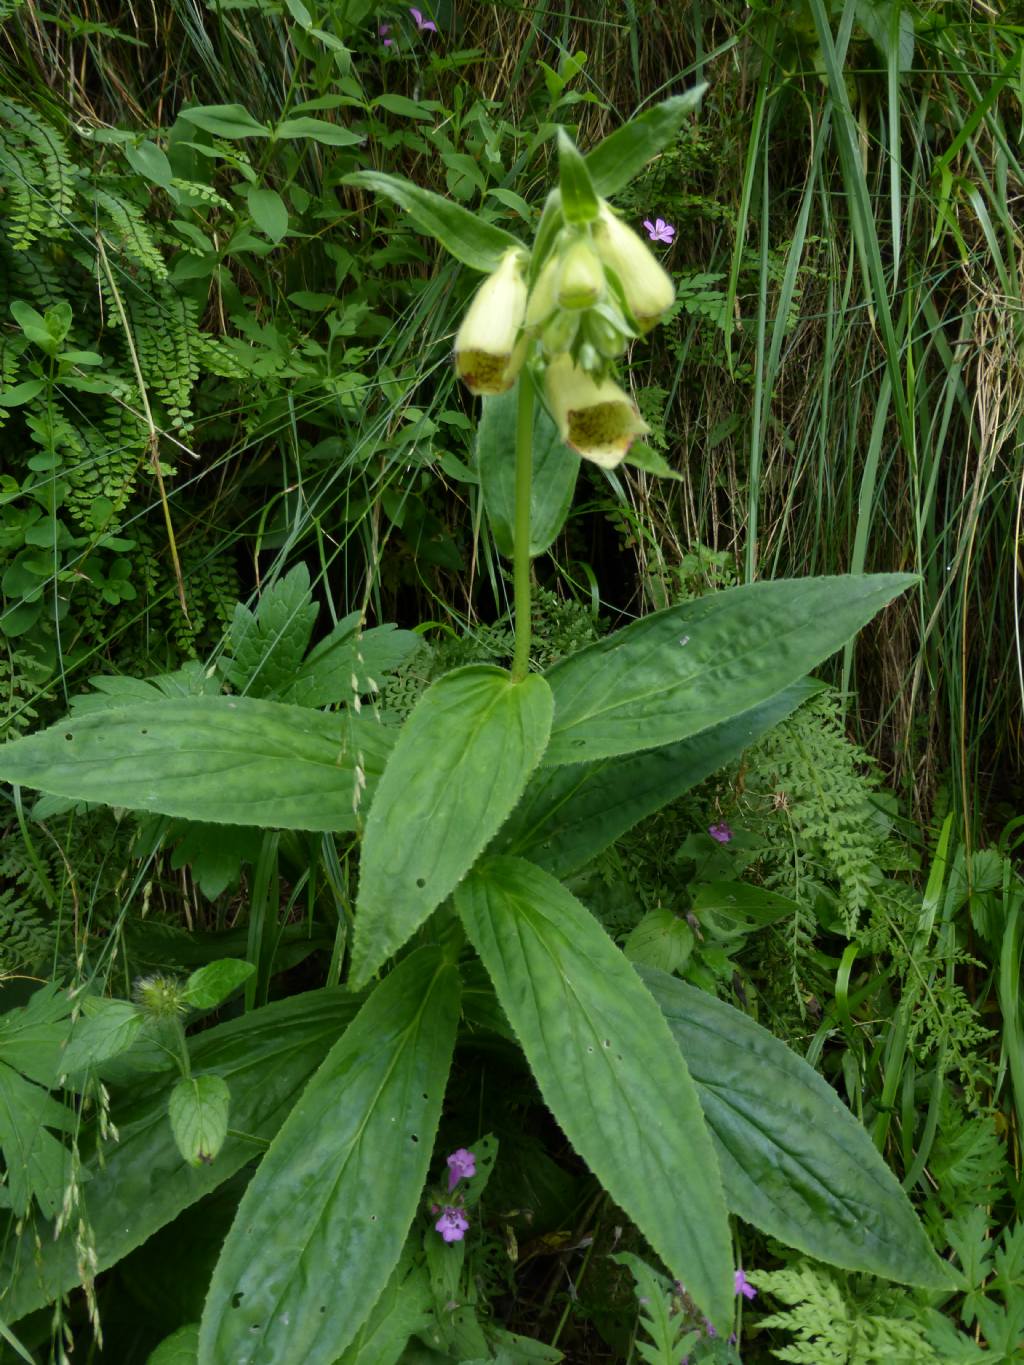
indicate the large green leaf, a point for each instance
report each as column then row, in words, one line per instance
column 680, row 671
column 605, row 1063
column 469, row 238
column 460, row 764
column 555, row 470
column 226, row 760
column 569, row 814
column 623, row 154
column 794, row 1161
column 322, row 1224
column 142, row 1183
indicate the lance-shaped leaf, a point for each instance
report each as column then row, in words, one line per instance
column 579, row 198
column 569, row 814
column 794, row 1161
column 227, row 760
column 460, row 764
column 606, row 1066
column 555, row 470
column 623, row 154
column 469, row 238
column 322, row 1225
column 680, row 671
column 140, row 1183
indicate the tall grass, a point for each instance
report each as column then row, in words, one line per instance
column 858, row 405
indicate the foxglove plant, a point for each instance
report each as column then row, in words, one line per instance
column 499, row 786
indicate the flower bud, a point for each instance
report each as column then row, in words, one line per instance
column 559, row 333
column 646, row 287
column 608, row 339
column 581, row 279
column 544, row 295
column 596, row 419
column 489, row 350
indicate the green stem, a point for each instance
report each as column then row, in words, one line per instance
column 521, row 553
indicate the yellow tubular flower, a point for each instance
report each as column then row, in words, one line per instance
column 597, row 420
column 648, row 288
column 489, row 350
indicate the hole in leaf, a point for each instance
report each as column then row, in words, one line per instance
column 606, row 1042
column 414, row 1137
column 236, row 1299
column 143, row 732
column 420, row 883
column 323, row 1308
column 69, row 735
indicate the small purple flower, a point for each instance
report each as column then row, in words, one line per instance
column 452, row 1225
column 424, row 25
column 382, row 31
column 461, row 1166
column 659, row 230
column 741, row 1286
column 722, row 834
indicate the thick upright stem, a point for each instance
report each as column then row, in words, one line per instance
column 521, row 549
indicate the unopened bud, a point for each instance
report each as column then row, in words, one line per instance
column 581, row 279
column 646, row 287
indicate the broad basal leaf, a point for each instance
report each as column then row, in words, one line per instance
column 603, row 1058
column 460, row 764
column 322, row 1225
column 680, row 671
column 142, row 1183
column 555, row 470
column 226, row 760
column 794, row 1161
column 569, row 814
column 468, row 237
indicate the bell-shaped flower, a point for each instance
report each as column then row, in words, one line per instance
column 490, row 346
column 647, row 287
column 595, row 417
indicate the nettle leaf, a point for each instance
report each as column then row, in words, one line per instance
column 104, row 1029
column 321, row 1227
column 264, row 649
column 32, row 1036
column 555, row 471
column 680, row 671
column 603, row 1058
column 466, row 236
column 198, row 1110
column 224, row 760
column 37, row 1163
column 349, row 662
column 623, row 154
column 459, row 766
column 141, row 1184
column 570, row 814
column 212, row 984
column 794, row 1161
column 180, row 1348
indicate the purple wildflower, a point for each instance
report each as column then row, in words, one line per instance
column 741, row 1286
column 659, row 230
column 382, row 31
column 461, row 1166
column 452, row 1225
column 721, row 833
column 424, row 25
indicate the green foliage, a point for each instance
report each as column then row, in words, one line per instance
column 830, row 1323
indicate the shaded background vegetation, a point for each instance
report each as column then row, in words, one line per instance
column 216, row 363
